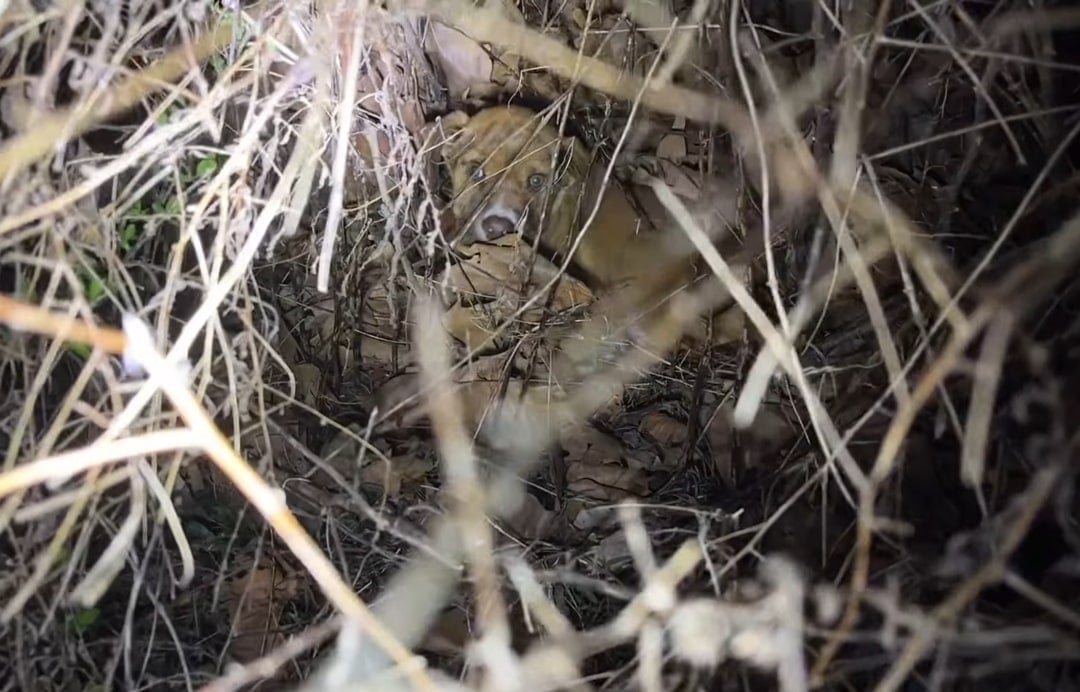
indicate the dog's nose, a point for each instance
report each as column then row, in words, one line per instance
column 496, row 226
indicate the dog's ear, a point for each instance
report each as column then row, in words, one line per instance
column 441, row 135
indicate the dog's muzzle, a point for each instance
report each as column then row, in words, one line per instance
column 495, row 222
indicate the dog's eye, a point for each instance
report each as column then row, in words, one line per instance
column 536, row 181
column 475, row 170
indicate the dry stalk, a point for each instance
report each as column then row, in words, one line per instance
column 27, row 317
column 268, row 501
column 353, row 27
column 781, row 349
column 463, row 486
column 1028, row 504
column 490, row 26
column 240, row 675
column 657, row 596
column 59, row 468
column 51, row 554
column 653, row 16
column 536, row 603
column 105, row 570
column 520, row 432
column 976, row 83
column 1023, row 284
column 65, row 124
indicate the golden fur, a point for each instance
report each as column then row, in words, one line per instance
column 510, row 171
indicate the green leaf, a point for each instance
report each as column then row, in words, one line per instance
column 170, row 206
column 206, row 167
column 83, row 619
column 80, row 349
column 217, row 61
column 95, row 289
column 128, row 236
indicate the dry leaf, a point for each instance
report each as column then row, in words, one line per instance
column 683, row 180
column 308, row 381
column 589, row 445
column 470, row 69
column 464, row 63
column 607, row 482
column 598, row 466
column 672, row 147
column 668, row 431
column 499, row 270
column 380, row 343
column 613, row 550
column 612, row 38
column 671, row 436
column 531, row 522
column 473, row 326
column 360, row 182
column 449, row 635
column 389, row 477
column 768, row 433
column 496, row 273
column 255, row 602
column 592, row 518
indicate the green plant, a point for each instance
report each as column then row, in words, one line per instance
column 83, row 619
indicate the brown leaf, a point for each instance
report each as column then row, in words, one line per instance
column 360, row 182
column 389, row 477
column 665, row 429
column 683, row 180
column 499, row 270
column 607, row 482
column 589, row 445
column 381, row 343
column 464, row 62
column 255, row 602
column 599, row 467
column 496, row 273
column 670, row 434
column 472, row 325
column 672, row 147
column 531, row 522
column 449, row 635
column 765, row 436
column 398, row 402
column 611, row 38
column 308, row 378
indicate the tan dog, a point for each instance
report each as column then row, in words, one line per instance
column 512, row 172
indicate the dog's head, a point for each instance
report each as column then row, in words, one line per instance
column 507, row 167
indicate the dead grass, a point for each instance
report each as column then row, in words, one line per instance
column 241, row 451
